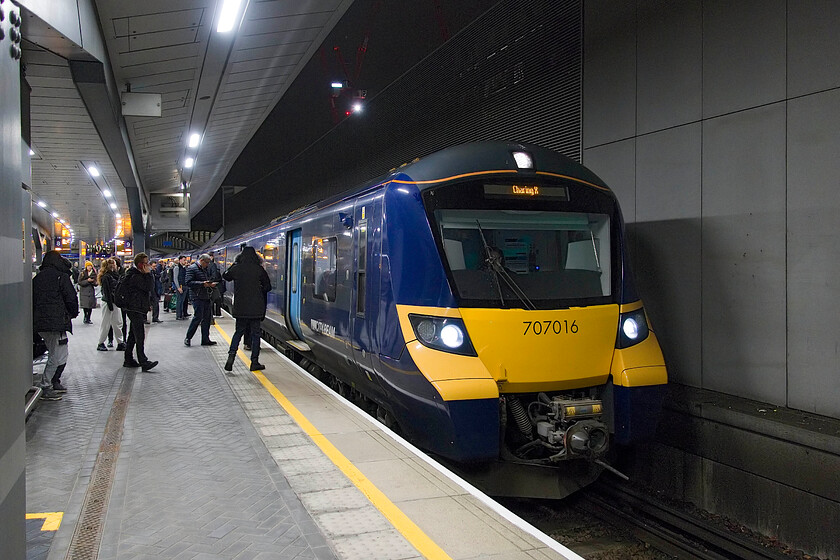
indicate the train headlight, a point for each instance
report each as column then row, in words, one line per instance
column 633, row 328
column 448, row 334
column 630, row 328
column 452, row 336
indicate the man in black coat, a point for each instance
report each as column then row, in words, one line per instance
column 200, row 284
column 250, row 285
column 54, row 304
column 139, row 287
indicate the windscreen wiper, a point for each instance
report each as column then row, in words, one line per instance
column 493, row 258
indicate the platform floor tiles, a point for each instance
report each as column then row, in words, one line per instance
column 207, row 464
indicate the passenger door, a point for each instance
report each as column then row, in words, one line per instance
column 360, row 314
column 293, row 282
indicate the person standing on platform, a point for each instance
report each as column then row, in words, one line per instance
column 108, row 278
column 156, row 272
column 74, row 273
column 139, row 286
column 252, row 285
column 200, row 285
column 215, row 276
column 179, row 280
column 54, row 304
column 87, row 290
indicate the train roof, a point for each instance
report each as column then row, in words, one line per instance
column 463, row 159
column 477, row 157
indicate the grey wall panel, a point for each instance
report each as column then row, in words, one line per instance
column 666, row 248
column 743, row 54
column 813, row 48
column 15, row 302
column 615, row 163
column 743, row 291
column 669, row 64
column 813, row 263
column 609, row 92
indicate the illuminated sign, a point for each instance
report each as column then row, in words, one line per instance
column 526, row 191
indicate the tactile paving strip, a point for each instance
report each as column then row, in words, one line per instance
column 88, row 533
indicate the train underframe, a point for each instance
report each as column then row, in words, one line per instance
column 551, row 444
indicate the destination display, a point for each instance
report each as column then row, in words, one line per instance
column 523, row 190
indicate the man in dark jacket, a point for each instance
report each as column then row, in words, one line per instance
column 200, row 283
column 139, row 287
column 251, row 285
column 54, row 304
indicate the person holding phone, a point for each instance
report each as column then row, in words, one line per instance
column 200, row 285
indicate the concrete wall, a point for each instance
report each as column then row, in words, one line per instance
column 716, row 123
column 15, row 305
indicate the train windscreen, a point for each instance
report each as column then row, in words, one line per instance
column 520, row 258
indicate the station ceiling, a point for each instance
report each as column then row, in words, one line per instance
column 220, row 86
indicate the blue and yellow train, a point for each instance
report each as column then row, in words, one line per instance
column 480, row 301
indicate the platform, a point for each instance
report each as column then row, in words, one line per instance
column 190, row 461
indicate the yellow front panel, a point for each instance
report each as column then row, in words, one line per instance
column 549, row 350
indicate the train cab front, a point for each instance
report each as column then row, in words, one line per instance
column 537, row 268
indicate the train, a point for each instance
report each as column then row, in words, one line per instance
column 478, row 300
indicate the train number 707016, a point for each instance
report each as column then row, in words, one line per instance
column 546, row 327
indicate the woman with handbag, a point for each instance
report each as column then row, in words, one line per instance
column 87, row 290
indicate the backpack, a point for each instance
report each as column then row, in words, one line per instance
column 120, row 295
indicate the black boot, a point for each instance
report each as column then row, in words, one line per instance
column 56, row 380
column 229, row 363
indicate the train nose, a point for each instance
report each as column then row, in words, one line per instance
column 587, row 438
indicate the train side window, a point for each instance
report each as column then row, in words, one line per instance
column 324, row 265
column 295, row 264
column 362, row 267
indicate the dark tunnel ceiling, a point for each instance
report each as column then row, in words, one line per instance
column 400, row 35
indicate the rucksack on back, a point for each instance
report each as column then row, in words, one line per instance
column 121, row 293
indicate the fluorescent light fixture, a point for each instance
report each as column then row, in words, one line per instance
column 338, row 85
column 94, row 172
column 107, row 193
column 31, row 152
column 227, row 19
column 119, row 215
column 113, row 206
column 55, row 214
column 42, row 204
column 188, row 163
column 195, row 138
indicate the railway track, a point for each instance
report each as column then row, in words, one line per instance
column 671, row 530
column 609, row 521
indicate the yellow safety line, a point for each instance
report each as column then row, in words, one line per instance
column 401, row 522
column 52, row 519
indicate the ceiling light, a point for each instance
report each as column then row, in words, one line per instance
column 357, row 108
column 31, row 152
column 227, row 19
column 189, row 162
column 94, row 172
column 42, row 204
column 337, row 85
column 195, row 138
column 107, row 193
column 55, row 214
column 119, row 215
column 113, row 206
